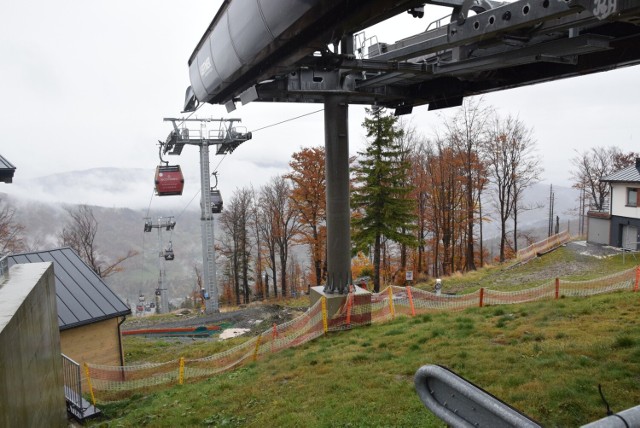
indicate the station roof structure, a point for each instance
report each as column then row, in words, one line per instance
column 6, row 170
column 82, row 296
column 304, row 51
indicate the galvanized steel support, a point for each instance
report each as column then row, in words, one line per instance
column 336, row 130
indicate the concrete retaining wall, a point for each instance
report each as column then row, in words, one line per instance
column 32, row 388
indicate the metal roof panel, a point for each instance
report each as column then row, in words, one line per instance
column 82, row 296
column 630, row 174
column 5, row 164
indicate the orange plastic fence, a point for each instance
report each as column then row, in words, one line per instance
column 115, row 382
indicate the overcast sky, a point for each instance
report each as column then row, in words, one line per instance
column 86, row 84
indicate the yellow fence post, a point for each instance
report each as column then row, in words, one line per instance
column 255, row 351
column 93, row 397
column 325, row 324
column 391, row 308
column 181, row 372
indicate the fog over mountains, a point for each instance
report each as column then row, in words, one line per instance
column 122, row 198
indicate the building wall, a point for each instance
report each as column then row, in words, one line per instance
column 598, row 230
column 31, row 386
column 619, row 201
column 96, row 343
column 617, row 226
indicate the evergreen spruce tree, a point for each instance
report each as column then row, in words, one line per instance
column 381, row 192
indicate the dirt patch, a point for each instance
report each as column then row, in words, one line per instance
column 257, row 317
column 581, row 261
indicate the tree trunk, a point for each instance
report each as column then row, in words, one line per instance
column 283, row 270
column 481, row 223
column 471, row 263
column 503, row 239
column 376, row 265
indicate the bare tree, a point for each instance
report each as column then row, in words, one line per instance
column 512, row 168
column 80, row 234
column 593, row 164
column 255, row 224
column 237, row 244
column 468, row 131
column 11, row 232
column 279, row 212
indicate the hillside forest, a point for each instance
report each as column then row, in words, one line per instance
column 427, row 205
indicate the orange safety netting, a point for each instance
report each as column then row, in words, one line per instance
column 115, row 382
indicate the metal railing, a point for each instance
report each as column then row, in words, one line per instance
column 602, row 207
column 73, row 387
column 4, row 269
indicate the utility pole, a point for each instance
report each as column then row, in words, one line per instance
column 551, row 204
column 162, row 297
column 226, row 139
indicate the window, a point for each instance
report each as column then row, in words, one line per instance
column 632, row 197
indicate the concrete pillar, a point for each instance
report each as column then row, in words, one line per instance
column 336, row 115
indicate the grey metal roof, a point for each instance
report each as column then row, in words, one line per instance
column 82, row 296
column 630, row 174
column 6, row 170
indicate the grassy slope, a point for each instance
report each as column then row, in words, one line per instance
column 561, row 263
column 545, row 359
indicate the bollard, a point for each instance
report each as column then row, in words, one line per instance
column 637, row 278
column 413, row 309
column 93, row 397
column 481, row 297
column 557, row 288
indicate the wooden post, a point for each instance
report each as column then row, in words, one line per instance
column 391, row 308
column 635, row 288
column 557, row 288
column 181, row 371
column 413, row 309
column 481, row 297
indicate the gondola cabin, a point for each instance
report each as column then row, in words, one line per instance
column 169, row 180
column 168, row 253
column 216, row 201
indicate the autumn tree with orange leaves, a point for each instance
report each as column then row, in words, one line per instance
column 308, row 197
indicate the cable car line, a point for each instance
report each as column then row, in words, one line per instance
column 150, row 200
column 215, row 170
column 187, row 206
column 287, row 120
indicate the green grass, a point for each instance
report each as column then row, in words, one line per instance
column 138, row 349
column 544, row 358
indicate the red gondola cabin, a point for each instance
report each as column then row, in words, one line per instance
column 169, row 180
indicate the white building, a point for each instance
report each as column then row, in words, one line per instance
column 619, row 226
